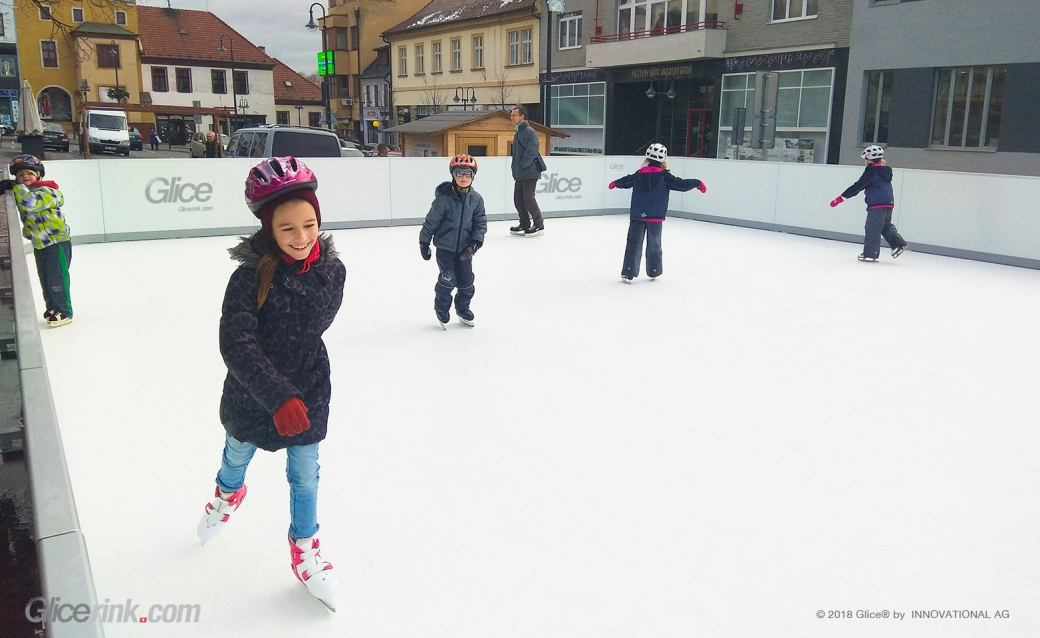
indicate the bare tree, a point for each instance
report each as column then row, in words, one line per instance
column 502, row 91
column 434, row 96
column 34, row 9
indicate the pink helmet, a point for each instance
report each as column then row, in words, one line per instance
column 276, row 177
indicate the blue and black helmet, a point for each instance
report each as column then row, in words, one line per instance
column 27, row 162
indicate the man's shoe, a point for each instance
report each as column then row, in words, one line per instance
column 862, row 258
column 517, row 230
column 533, row 232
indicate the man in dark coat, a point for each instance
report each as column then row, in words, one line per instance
column 527, row 170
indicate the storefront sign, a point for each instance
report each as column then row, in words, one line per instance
column 655, row 72
column 779, row 61
column 574, row 77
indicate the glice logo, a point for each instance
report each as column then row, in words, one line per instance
column 163, row 191
column 40, row 610
column 554, row 184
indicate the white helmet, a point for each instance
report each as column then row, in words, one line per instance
column 657, row 152
column 873, row 152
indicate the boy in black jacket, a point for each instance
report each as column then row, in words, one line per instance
column 651, row 185
column 456, row 225
column 877, row 182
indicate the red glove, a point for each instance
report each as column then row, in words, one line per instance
column 291, row 419
column 837, row 200
column 610, row 186
column 702, row 187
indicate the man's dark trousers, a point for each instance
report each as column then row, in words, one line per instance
column 526, row 206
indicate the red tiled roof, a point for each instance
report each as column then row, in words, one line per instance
column 192, row 35
column 443, row 11
column 302, row 89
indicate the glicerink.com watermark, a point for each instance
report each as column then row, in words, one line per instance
column 42, row 610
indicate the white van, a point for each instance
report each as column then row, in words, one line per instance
column 107, row 131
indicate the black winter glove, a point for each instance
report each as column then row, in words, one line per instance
column 469, row 251
column 424, row 250
column 6, row 185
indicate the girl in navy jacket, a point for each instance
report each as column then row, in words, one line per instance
column 651, row 185
column 876, row 181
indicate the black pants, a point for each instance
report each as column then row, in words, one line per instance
column 455, row 273
column 879, row 224
column 526, row 206
column 52, row 264
column 637, row 228
column 155, row 145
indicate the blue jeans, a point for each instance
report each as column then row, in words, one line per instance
column 301, row 469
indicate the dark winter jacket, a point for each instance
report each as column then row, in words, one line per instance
column 214, row 149
column 652, row 186
column 877, row 181
column 525, row 153
column 276, row 353
column 454, row 220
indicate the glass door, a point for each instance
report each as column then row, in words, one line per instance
column 698, row 123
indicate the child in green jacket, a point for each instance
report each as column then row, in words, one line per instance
column 39, row 207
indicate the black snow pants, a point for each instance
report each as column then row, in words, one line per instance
column 637, row 228
column 879, row 224
column 52, row 265
column 455, row 273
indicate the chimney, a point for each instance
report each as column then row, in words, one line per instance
column 262, row 49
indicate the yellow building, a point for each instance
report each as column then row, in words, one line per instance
column 352, row 33
column 65, row 43
column 454, row 55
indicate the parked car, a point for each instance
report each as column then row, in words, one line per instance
column 197, row 144
column 349, row 144
column 55, row 138
column 351, row 152
column 280, row 140
column 107, row 131
column 135, row 140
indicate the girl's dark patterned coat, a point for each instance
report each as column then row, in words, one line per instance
column 276, row 352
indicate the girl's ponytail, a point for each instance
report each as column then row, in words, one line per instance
column 264, row 244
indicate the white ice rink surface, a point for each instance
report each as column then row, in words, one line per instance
column 770, row 430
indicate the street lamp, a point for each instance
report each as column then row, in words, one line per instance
column 468, row 96
column 299, row 114
column 651, row 93
column 234, row 95
column 113, row 59
column 554, row 6
column 324, row 52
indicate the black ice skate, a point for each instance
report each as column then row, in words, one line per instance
column 517, row 230
column 533, row 232
column 899, row 251
column 863, row 258
column 443, row 318
column 625, row 279
column 465, row 316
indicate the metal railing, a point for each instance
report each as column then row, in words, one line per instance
column 681, row 28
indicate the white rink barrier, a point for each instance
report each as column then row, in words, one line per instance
column 987, row 217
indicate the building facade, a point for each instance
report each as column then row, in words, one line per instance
column 72, row 53
column 183, row 64
column 297, row 100
column 628, row 73
column 946, row 86
column 375, row 98
column 10, row 83
column 460, row 55
column 354, row 33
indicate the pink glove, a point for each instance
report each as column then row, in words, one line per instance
column 703, row 187
column 610, row 186
column 837, row 200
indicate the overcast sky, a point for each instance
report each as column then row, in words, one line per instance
column 275, row 24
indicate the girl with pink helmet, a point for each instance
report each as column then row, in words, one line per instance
column 281, row 299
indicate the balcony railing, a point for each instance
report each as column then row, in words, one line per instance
column 682, row 28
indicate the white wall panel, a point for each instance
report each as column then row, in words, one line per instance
column 736, row 190
column 805, row 191
column 352, row 189
column 80, row 185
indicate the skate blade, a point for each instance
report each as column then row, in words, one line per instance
column 443, row 326
column 626, row 280
column 466, row 322
column 517, row 234
column 331, row 607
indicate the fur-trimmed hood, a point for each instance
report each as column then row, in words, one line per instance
column 250, row 249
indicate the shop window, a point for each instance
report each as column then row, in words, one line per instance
column 969, row 102
column 875, row 111
column 578, row 105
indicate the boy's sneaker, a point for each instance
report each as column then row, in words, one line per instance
column 517, row 230
column 533, row 232
column 898, row 251
column 443, row 318
column 313, row 571
column 625, row 279
column 465, row 316
column 58, row 318
column 218, row 513
column 862, row 258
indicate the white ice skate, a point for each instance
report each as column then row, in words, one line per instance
column 313, row 571
column 218, row 512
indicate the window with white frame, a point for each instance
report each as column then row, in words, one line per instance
column 579, row 105
column 368, row 95
column 570, row 30
column 121, row 18
column 45, row 12
column 478, row 52
column 875, row 111
column 456, row 54
column 525, row 46
column 968, row 104
column 651, row 17
column 49, row 54
column 803, row 108
column 77, row 14
column 437, row 57
column 420, row 66
column 514, row 48
column 402, row 61
column 794, row 9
